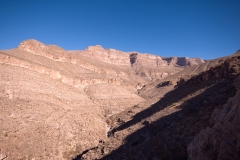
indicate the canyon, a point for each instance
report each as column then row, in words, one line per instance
column 107, row 104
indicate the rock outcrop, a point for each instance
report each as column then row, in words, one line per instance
column 222, row 140
column 54, row 104
column 107, row 55
column 157, row 61
column 227, row 69
column 183, row 61
column 146, row 60
column 147, row 66
column 53, row 52
column 42, row 118
column 174, row 112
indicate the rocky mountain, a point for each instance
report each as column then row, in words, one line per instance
column 107, row 104
column 185, row 118
column 54, row 102
column 183, row 61
column 131, row 58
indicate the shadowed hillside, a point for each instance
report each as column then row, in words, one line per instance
column 163, row 128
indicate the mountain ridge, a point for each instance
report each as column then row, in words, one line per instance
column 164, row 126
column 69, row 103
column 106, row 54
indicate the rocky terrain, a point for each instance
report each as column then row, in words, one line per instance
column 185, row 119
column 54, row 103
column 221, row 139
column 107, row 104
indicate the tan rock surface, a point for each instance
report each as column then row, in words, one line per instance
column 151, row 89
column 43, row 118
column 54, row 104
column 146, row 66
column 162, row 126
column 46, row 111
column 111, row 56
column 183, row 61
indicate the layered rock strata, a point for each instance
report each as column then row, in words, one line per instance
column 54, row 103
column 163, row 126
column 183, row 61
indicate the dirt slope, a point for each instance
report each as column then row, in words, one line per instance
column 162, row 127
column 221, row 140
column 52, row 107
column 55, row 104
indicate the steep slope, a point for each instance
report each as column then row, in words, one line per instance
column 152, row 89
column 43, row 118
column 52, row 105
column 55, row 103
column 221, row 141
column 71, row 69
column 146, row 66
column 183, row 61
column 162, row 127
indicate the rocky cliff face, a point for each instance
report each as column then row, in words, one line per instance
column 222, row 140
column 54, row 104
column 38, row 48
column 164, row 126
column 146, row 60
column 147, row 67
column 151, row 60
column 183, row 61
column 228, row 69
column 107, row 55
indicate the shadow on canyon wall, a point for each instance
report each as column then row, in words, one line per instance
column 168, row 136
column 165, row 129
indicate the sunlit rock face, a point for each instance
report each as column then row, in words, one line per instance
column 152, row 60
column 146, row 60
column 54, row 103
column 107, row 55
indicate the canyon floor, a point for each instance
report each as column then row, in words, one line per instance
column 107, row 104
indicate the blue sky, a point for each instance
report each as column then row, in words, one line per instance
column 192, row 28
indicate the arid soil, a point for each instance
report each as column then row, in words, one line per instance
column 163, row 126
column 54, row 103
column 107, row 104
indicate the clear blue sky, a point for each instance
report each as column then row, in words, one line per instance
column 192, row 28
